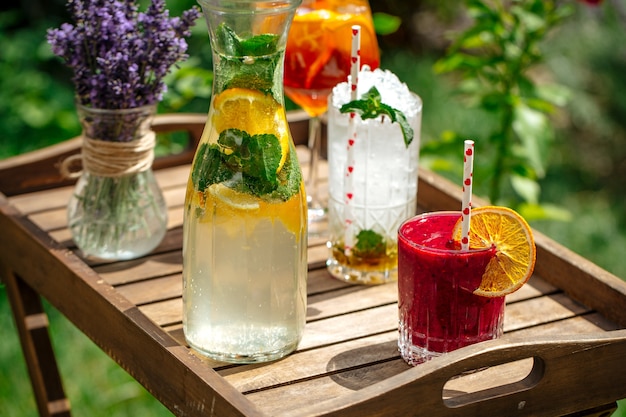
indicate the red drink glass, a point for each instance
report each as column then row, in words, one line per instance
column 438, row 310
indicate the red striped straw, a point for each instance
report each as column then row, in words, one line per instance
column 466, row 208
column 355, row 65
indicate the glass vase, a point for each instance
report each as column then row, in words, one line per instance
column 117, row 210
column 245, row 224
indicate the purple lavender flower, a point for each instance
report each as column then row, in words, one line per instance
column 119, row 55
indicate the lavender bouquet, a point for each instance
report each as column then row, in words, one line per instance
column 119, row 57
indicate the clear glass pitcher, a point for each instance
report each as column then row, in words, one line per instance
column 245, row 224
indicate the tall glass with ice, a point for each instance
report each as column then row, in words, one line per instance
column 372, row 179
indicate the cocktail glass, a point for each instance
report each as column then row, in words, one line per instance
column 438, row 311
column 384, row 181
column 317, row 58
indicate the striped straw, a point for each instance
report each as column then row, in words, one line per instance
column 466, row 208
column 355, row 64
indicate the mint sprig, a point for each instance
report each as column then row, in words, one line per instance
column 209, row 167
column 246, row 63
column 255, row 158
column 369, row 244
column 370, row 106
column 232, row 45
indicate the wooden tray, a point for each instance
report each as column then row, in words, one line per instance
column 563, row 350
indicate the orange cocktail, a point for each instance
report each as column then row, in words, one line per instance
column 318, row 49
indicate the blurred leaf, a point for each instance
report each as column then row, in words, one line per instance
column 448, row 64
column 535, row 133
column 194, row 82
column 186, row 83
column 480, row 10
column 540, row 105
column 447, row 143
column 471, row 86
column 556, row 94
column 526, row 188
column 493, row 102
column 527, row 86
column 385, row 24
column 437, row 164
column 512, row 52
column 538, row 7
column 532, row 21
column 458, row 61
column 533, row 212
column 563, row 11
column 524, row 170
column 478, row 38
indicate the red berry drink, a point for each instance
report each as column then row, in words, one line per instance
column 436, row 279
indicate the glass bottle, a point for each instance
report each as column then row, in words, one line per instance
column 245, row 225
column 117, row 210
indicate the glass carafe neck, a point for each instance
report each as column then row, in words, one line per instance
column 248, row 41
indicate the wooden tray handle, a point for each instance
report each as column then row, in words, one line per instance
column 568, row 374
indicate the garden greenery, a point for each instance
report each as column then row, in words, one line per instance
column 494, row 57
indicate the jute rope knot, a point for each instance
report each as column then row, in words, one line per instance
column 112, row 159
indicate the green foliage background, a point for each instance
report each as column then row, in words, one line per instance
column 582, row 188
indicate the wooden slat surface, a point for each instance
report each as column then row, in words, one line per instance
column 349, row 342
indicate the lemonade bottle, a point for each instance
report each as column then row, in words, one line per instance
column 244, row 243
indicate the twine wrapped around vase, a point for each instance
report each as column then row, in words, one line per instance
column 112, row 159
column 116, row 142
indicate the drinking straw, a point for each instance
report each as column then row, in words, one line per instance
column 466, row 207
column 355, row 64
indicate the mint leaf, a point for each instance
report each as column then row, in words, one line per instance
column 230, row 139
column 256, row 157
column 232, row 45
column 259, row 45
column 261, row 154
column 209, row 168
column 227, row 40
column 370, row 106
column 369, row 244
column 219, row 163
column 246, row 63
column 407, row 130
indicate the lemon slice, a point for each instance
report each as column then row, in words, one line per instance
column 512, row 237
column 253, row 112
column 232, row 199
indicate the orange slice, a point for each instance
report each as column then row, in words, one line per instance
column 233, row 199
column 515, row 248
column 253, row 112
